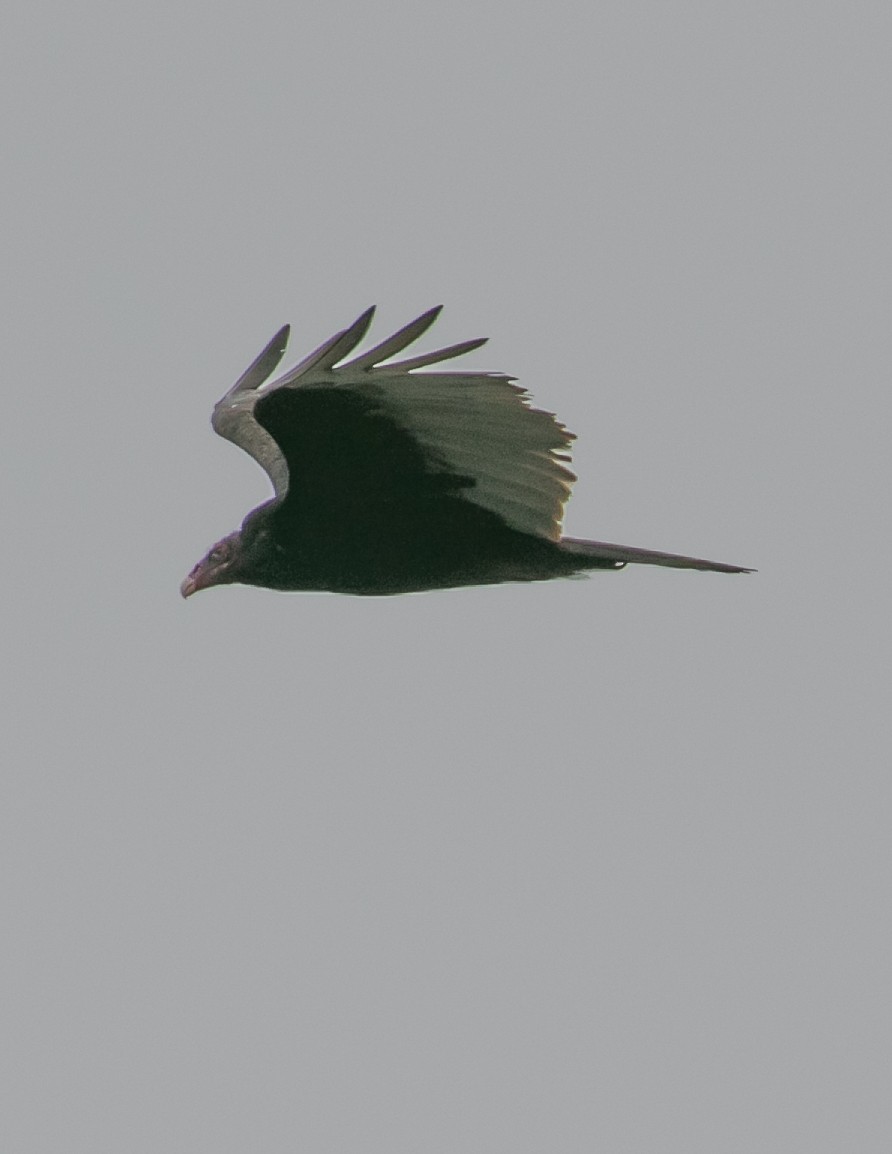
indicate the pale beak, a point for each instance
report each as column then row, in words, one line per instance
column 199, row 578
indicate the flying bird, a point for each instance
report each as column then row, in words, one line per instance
column 388, row 479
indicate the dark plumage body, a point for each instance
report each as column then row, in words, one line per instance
column 393, row 481
column 433, row 545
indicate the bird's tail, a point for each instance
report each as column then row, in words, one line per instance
column 601, row 555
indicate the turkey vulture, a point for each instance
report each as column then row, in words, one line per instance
column 391, row 480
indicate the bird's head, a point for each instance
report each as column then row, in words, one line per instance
column 221, row 565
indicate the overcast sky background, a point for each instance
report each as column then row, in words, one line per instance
column 595, row 865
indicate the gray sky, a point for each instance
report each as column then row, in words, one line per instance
column 580, row 866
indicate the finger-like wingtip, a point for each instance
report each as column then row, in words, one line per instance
column 364, row 320
column 395, row 344
column 345, row 342
column 434, row 357
column 331, row 351
column 263, row 364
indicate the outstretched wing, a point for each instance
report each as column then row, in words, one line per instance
column 233, row 416
column 346, row 434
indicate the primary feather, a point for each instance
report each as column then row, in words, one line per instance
column 389, row 479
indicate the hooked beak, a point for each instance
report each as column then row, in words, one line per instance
column 196, row 580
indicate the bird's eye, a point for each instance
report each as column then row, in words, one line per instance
column 217, row 554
